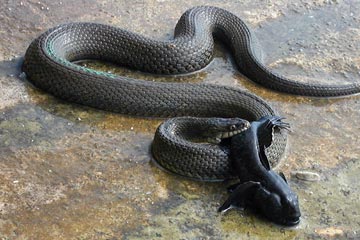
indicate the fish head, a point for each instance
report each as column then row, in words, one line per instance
column 278, row 203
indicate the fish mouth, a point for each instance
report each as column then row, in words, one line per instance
column 291, row 221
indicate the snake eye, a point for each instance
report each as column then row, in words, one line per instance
column 232, row 128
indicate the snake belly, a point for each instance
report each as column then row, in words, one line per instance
column 49, row 65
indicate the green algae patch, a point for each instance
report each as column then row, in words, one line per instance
column 19, row 128
column 248, row 226
column 26, row 125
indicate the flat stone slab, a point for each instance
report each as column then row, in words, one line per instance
column 72, row 172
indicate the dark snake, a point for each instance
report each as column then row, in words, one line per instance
column 49, row 66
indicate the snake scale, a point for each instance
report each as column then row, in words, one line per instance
column 49, row 66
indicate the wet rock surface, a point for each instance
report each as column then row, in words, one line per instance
column 72, row 172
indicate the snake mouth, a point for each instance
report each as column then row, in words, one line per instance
column 229, row 134
column 216, row 138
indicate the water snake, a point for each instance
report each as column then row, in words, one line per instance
column 49, row 66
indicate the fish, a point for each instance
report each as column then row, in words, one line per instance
column 260, row 188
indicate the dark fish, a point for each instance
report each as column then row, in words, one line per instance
column 260, row 188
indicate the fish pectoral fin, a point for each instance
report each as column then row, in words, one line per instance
column 232, row 187
column 240, row 194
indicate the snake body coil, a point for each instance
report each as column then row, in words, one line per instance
column 48, row 65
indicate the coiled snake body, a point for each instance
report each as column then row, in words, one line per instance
column 49, row 65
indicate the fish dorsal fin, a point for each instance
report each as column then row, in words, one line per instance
column 283, row 176
column 263, row 158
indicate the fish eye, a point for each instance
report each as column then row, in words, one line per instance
column 232, row 127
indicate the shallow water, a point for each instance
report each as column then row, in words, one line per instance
column 72, row 172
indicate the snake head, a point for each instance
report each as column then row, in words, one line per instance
column 220, row 128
